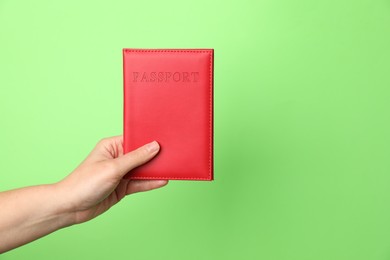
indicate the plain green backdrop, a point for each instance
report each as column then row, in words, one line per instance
column 302, row 130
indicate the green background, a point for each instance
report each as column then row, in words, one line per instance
column 302, row 144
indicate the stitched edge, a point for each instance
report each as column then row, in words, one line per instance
column 210, row 177
column 168, row 178
column 211, row 139
column 164, row 50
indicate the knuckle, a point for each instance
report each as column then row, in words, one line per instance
column 141, row 155
column 102, row 141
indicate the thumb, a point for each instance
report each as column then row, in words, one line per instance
column 137, row 157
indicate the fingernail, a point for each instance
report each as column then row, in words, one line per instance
column 152, row 147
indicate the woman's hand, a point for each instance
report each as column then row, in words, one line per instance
column 92, row 188
column 97, row 184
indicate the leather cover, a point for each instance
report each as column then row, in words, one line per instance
column 168, row 97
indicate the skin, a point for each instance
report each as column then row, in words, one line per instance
column 91, row 189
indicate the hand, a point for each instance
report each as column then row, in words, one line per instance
column 92, row 188
column 97, row 184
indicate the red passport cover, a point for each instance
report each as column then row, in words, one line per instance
column 168, row 97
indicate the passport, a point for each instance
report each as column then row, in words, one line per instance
column 168, row 97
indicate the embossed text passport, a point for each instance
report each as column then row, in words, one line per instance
column 168, row 97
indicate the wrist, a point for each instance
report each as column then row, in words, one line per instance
column 62, row 211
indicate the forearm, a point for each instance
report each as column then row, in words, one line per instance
column 29, row 213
